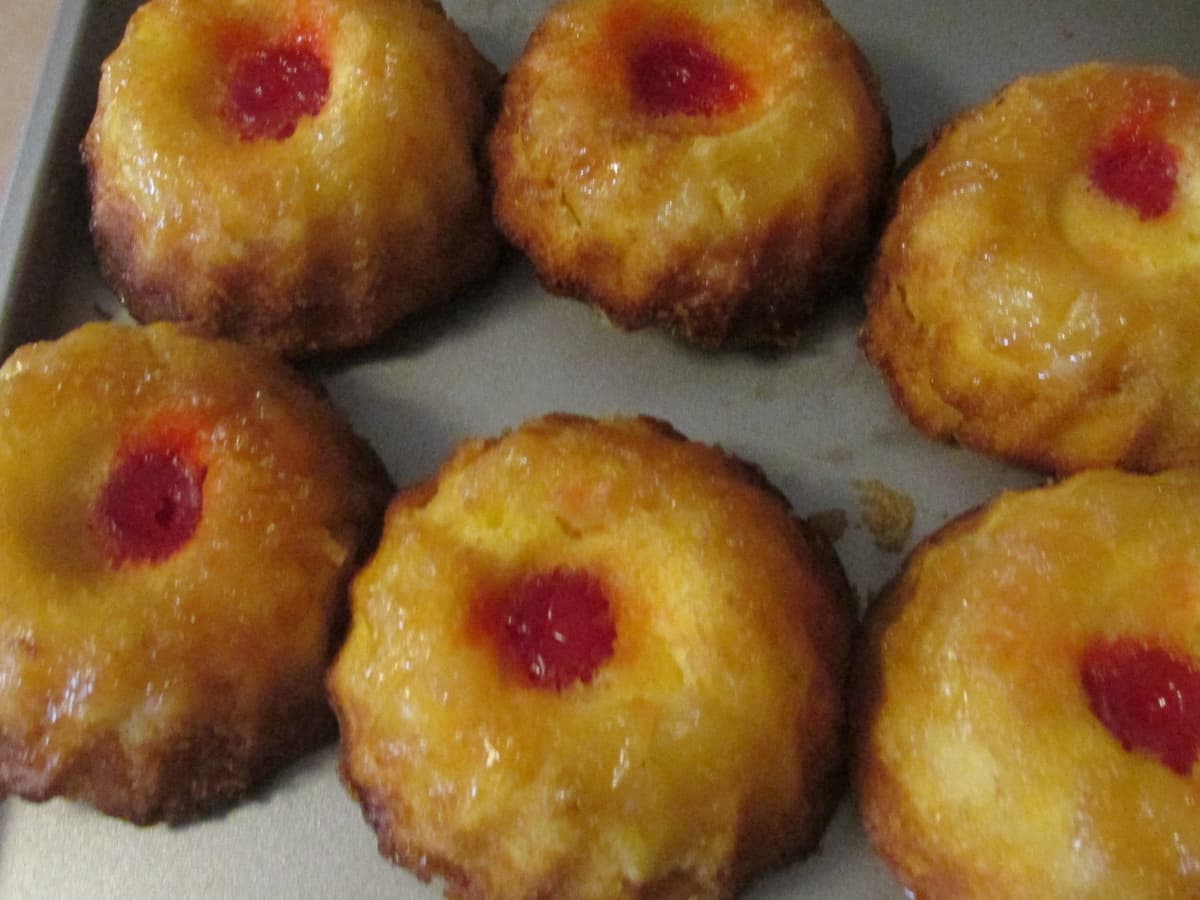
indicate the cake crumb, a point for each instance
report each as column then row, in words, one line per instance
column 887, row 513
column 832, row 523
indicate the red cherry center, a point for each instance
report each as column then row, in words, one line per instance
column 555, row 628
column 1147, row 697
column 272, row 88
column 681, row 76
column 1137, row 169
column 150, row 505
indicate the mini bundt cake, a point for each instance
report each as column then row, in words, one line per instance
column 180, row 520
column 1028, row 697
column 1035, row 297
column 714, row 168
column 300, row 174
column 594, row 659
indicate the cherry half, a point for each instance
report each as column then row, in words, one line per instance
column 1147, row 697
column 1137, row 168
column 553, row 628
column 151, row 504
column 272, row 88
column 682, row 76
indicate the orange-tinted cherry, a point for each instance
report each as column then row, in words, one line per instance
column 272, row 88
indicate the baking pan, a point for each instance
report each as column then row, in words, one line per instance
column 817, row 419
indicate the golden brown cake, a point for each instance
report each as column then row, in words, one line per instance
column 594, row 659
column 180, row 519
column 710, row 167
column 1028, row 697
column 1035, row 297
column 301, row 174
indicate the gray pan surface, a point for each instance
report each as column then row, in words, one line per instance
column 818, row 419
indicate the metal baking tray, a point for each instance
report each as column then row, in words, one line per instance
column 818, row 419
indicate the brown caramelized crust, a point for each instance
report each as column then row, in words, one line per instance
column 1034, row 296
column 981, row 764
column 725, row 222
column 372, row 208
column 704, row 749
column 161, row 677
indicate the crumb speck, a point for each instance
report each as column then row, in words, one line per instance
column 887, row 513
column 830, row 522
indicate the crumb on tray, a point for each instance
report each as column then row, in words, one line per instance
column 887, row 513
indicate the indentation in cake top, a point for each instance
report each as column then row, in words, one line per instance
column 679, row 75
column 1136, row 166
column 273, row 86
column 677, row 64
column 152, row 501
column 553, row 628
